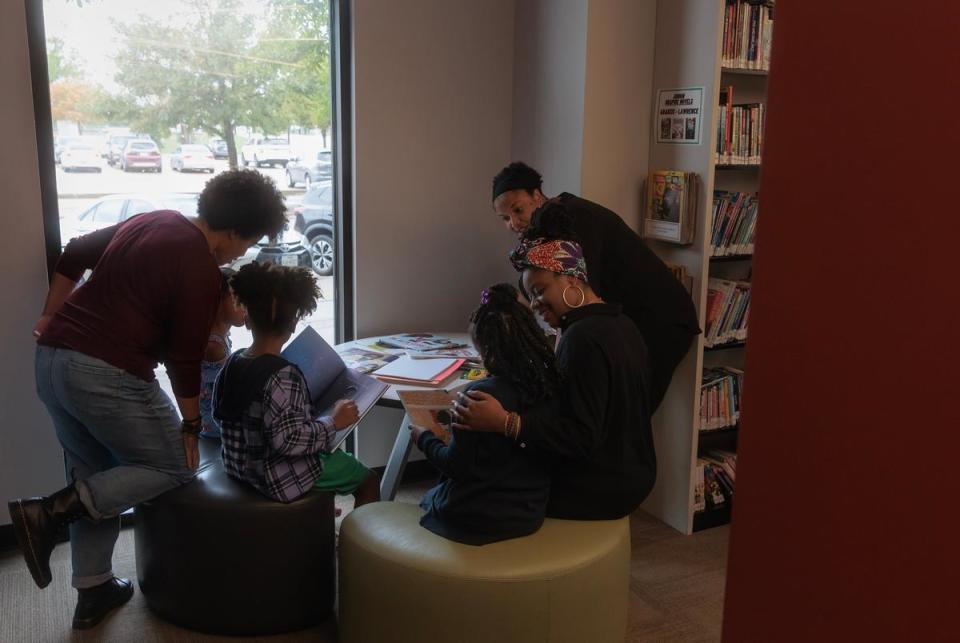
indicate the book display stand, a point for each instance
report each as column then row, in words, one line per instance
column 723, row 48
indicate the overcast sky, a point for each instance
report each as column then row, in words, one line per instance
column 90, row 38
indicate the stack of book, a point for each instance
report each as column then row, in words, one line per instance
column 713, row 484
column 720, row 392
column 728, row 311
column 747, row 31
column 670, row 209
column 419, row 372
column 739, row 131
column 734, row 223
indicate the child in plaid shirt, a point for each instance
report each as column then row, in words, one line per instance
column 270, row 435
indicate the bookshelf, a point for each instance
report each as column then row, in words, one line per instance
column 689, row 53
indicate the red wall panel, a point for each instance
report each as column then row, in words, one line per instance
column 846, row 525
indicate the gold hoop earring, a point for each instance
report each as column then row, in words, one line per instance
column 583, row 297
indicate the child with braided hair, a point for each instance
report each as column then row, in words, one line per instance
column 491, row 489
column 271, row 437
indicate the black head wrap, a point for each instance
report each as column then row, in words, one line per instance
column 516, row 176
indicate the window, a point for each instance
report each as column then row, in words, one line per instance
column 138, row 81
column 108, row 212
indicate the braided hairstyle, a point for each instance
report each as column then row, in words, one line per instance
column 553, row 221
column 275, row 297
column 512, row 345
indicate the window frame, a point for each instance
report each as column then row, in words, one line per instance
column 341, row 46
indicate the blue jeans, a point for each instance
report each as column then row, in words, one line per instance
column 122, row 446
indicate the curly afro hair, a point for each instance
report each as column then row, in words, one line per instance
column 245, row 202
column 275, row 297
column 512, row 345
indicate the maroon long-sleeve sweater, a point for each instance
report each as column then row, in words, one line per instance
column 152, row 298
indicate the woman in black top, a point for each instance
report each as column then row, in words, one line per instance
column 491, row 488
column 596, row 434
column 623, row 269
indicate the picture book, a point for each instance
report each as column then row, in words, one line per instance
column 670, row 208
column 329, row 379
column 429, row 410
column 365, row 361
column 420, row 342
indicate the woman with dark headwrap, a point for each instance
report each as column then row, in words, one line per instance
column 596, row 434
column 623, row 269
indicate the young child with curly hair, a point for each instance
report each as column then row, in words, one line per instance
column 491, row 489
column 270, row 434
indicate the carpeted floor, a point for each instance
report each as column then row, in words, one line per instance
column 676, row 587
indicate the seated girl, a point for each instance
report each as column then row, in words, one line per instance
column 596, row 433
column 271, row 437
column 215, row 356
column 491, row 489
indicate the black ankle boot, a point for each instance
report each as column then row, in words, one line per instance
column 37, row 521
column 96, row 602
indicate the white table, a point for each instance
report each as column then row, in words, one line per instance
column 403, row 443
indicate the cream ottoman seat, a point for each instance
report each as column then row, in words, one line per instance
column 401, row 583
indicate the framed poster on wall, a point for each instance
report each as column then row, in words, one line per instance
column 679, row 116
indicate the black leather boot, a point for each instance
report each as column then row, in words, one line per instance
column 36, row 523
column 95, row 603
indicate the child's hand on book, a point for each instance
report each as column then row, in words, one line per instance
column 416, row 432
column 345, row 413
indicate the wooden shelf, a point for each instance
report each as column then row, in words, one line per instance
column 723, row 439
column 713, row 517
column 723, row 347
column 744, row 72
column 722, row 258
column 736, row 166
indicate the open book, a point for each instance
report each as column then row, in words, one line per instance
column 329, row 379
column 430, row 410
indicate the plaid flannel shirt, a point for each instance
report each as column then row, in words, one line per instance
column 275, row 444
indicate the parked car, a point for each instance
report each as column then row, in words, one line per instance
column 115, row 208
column 116, row 143
column 263, row 150
column 140, row 155
column 192, row 157
column 219, row 148
column 61, row 144
column 314, row 220
column 80, row 156
column 317, row 166
column 289, row 249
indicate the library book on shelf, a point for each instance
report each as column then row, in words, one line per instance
column 670, row 206
column 720, row 392
column 747, row 34
column 728, row 312
column 734, row 223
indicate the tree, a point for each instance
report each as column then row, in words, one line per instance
column 299, row 32
column 59, row 63
column 210, row 77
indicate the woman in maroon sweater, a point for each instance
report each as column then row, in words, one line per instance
column 151, row 298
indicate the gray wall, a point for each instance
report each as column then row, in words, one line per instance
column 581, row 112
column 549, row 79
column 433, row 106
column 30, row 461
column 433, row 96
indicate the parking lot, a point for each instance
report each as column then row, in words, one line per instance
column 77, row 190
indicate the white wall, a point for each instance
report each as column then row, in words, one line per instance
column 30, row 460
column 433, row 85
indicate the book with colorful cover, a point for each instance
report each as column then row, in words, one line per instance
column 365, row 361
column 671, row 206
column 420, row 342
column 429, row 410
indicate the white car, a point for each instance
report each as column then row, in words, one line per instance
column 264, row 150
column 115, row 208
column 193, row 158
column 80, row 156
